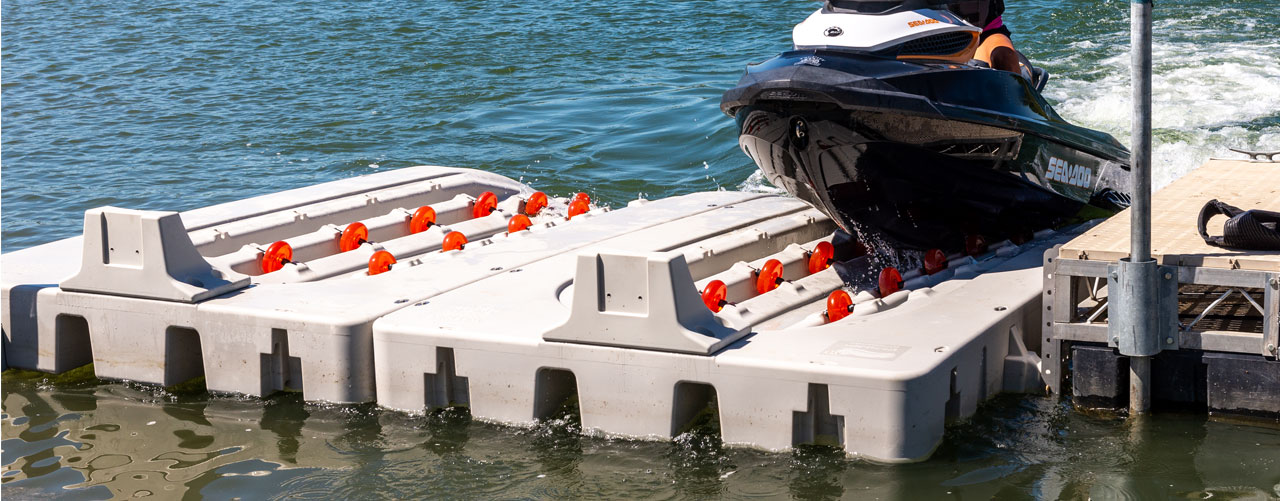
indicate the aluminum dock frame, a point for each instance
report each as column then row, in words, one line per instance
column 1218, row 309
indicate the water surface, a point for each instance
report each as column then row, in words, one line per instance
column 178, row 104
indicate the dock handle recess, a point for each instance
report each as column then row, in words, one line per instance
column 641, row 300
column 146, row 254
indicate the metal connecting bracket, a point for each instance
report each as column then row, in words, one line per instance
column 1271, row 314
column 1143, row 299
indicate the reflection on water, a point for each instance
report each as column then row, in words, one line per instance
column 93, row 440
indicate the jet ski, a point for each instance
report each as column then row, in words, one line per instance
column 880, row 118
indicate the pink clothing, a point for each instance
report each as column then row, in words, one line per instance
column 995, row 23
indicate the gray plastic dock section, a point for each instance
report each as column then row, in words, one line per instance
column 604, row 306
column 253, row 340
column 307, row 326
column 883, row 382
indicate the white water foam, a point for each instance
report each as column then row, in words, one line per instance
column 756, row 183
column 1206, row 98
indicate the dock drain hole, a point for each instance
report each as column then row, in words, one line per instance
column 555, row 396
column 444, row 389
column 817, row 426
column 183, row 357
column 75, row 349
column 695, row 409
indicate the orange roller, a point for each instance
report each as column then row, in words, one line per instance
column 714, row 294
column 581, row 196
column 454, row 240
column 769, row 276
column 422, row 219
column 380, row 262
column 821, row 257
column 839, row 304
column 485, row 205
column 975, row 245
column 536, row 202
column 934, row 261
column 276, row 256
column 578, row 207
column 890, row 281
column 518, row 222
column 351, row 238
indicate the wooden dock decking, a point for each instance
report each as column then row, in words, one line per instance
column 1174, row 239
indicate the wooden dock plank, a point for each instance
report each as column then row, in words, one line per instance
column 1174, row 239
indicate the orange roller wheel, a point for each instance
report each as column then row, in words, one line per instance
column 890, row 281
column 839, row 305
column 581, row 196
column 536, row 202
column 485, row 205
column 975, row 245
column 422, row 219
column 769, row 276
column 518, row 222
column 276, row 256
column 351, row 238
column 455, row 240
column 821, row 257
column 934, row 261
column 714, row 294
column 578, row 207
column 380, row 262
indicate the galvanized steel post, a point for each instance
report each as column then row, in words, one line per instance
column 1138, row 276
column 1140, row 70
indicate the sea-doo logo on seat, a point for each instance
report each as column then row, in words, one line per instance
column 922, row 22
column 1076, row 175
column 834, row 31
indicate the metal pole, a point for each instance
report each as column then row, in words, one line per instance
column 1140, row 223
column 1139, row 385
column 1142, row 288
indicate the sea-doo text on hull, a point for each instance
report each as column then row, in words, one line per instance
column 879, row 118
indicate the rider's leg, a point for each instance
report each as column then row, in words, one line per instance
column 997, row 50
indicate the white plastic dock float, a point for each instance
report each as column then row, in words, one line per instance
column 604, row 305
column 631, row 347
column 252, row 339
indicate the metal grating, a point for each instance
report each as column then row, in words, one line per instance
column 1232, row 313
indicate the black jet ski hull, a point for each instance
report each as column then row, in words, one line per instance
column 908, row 155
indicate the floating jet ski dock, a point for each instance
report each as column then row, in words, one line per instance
column 427, row 287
